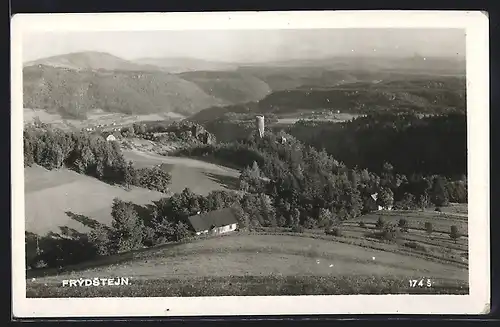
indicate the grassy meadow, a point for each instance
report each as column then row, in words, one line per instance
column 56, row 193
column 199, row 176
column 56, row 199
column 261, row 264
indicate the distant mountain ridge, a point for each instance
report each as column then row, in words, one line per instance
column 77, row 82
column 91, row 60
column 181, row 65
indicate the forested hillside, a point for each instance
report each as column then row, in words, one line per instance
column 131, row 92
column 234, row 87
column 427, row 145
column 418, row 95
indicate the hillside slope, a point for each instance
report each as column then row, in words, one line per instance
column 57, row 199
column 420, row 95
column 249, row 265
column 76, row 92
column 49, row 194
column 235, row 87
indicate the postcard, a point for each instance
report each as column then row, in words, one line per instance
column 250, row 163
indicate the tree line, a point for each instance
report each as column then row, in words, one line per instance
column 88, row 154
column 135, row 227
column 169, row 131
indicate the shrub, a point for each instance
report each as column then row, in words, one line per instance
column 438, row 209
column 298, row 229
column 454, row 234
column 415, row 246
column 380, row 223
column 403, row 225
column 310, row 223
column 390, row 233
column 335, row 231
column 428, row 228
column 155, row 179
column 127, row 228
column 148, row 237
column 39, row 264
column 101, row 237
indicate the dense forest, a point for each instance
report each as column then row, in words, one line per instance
column 303, row 183
column 428, row 145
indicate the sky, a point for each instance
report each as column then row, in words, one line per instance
column 250, row 45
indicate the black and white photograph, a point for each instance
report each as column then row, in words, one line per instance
column 327, row 157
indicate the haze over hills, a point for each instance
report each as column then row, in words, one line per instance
column 416, row 62
column 180, row 65
column 79, row 82
column 95, row 60
column 91, row 60
column 76, row 83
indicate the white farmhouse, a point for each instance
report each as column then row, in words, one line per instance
column 214, row 222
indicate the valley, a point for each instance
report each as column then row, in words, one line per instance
column 325, row 201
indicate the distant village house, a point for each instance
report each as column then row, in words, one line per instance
column 111, row 136
column 214, row 222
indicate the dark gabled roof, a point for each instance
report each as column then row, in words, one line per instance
column 217, row 218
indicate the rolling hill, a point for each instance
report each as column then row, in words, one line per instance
column 422, row 94
column 91, row 60
column 235, row 87
column 78, row 82
column 131, row 92
column 341, row 70
column 75, row 83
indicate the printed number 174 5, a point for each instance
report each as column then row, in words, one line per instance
column 420, row 283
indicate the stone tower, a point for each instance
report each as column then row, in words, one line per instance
column 260, row 125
